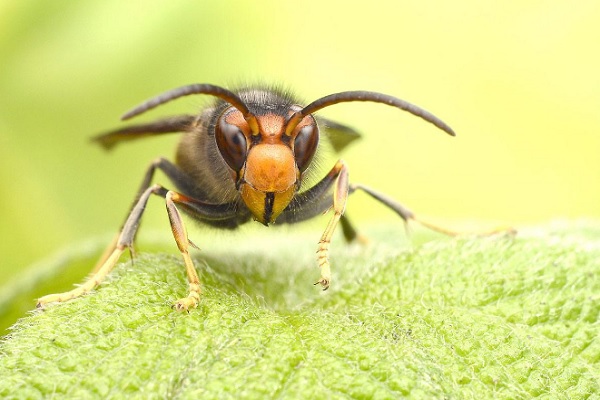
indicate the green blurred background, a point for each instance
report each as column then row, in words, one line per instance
column 518, row 81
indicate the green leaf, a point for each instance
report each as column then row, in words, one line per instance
column 495, row 317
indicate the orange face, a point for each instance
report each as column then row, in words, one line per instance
column 267, row 164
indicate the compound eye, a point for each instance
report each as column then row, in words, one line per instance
column 305, row 145
column 231, row 143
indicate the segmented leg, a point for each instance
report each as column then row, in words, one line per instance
column 340, row 195
column 181, row 238
column 408, row 215
column 180, row 178
column 125, row 240
column 399, row 209
column 221, row 214
column 318, row 200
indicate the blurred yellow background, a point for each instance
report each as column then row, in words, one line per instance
column 518, row 81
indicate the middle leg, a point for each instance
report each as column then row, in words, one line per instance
column 199, row 210
column 399, row 209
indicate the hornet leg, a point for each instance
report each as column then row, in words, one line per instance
column 340, row 196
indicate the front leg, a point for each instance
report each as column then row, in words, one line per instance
column 181, row 238
column 340, row 196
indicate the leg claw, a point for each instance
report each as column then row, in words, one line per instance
column 324, row 282
column 185, row 304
